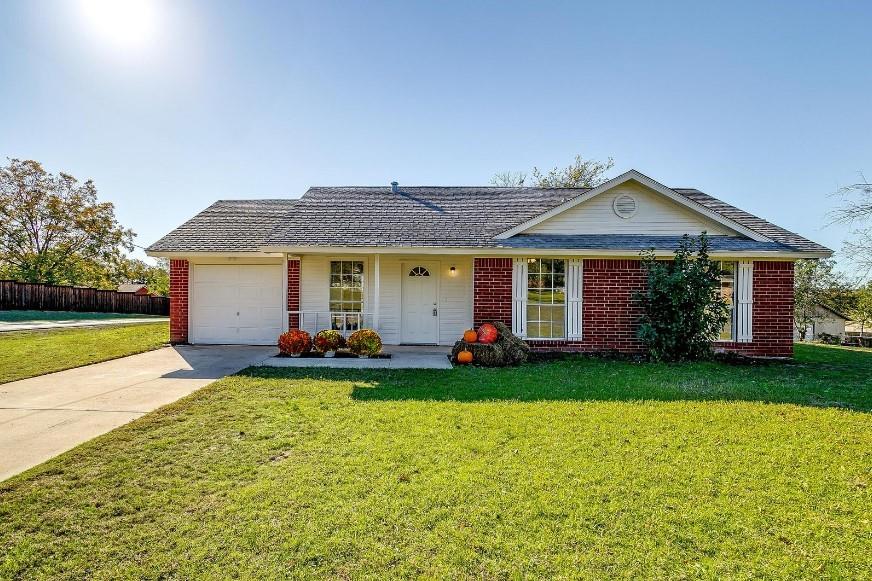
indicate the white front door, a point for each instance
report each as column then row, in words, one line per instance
column 239, row 304
column 420, row 302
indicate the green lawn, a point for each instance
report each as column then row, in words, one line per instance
column 38, row 316
column 581, row 468
column 30, row 353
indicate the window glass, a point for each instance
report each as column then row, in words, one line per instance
column 346, row 293
column 728, row 292
column 546, row 298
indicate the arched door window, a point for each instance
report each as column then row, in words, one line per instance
column 419, row 271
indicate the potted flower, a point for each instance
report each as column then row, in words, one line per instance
column 328, row 341
column 295, row 342
column 365, row 343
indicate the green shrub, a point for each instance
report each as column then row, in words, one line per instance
column 828, row 339
column 365, row 342
column 683, row 308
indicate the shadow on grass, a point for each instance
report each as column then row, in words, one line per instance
column 835, row 380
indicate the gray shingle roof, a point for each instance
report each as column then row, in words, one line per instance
column 414, row 217
column 227, row 226
column 460, row 217
column 759, row 225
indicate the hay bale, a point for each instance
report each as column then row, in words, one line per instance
column 516, row 350
column 507, row 350
column 486, row 355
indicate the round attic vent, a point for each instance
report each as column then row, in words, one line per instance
column 624, row 206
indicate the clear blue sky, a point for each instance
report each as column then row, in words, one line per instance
column 767, row 105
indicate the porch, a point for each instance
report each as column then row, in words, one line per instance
column 409, row 299
column 401, row 357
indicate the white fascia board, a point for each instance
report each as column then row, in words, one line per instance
column 645, row 181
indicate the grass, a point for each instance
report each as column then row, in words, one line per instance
column 30, row 353
column 581, row 468
column 39, row 316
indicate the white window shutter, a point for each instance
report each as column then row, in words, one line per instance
column 744, row 301
column 519, row 297
column 573, row 298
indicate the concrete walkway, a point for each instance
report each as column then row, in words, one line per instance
column 402, row 357
column 43, row 416
column 40, row 325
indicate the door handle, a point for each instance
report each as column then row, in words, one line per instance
column 434, row 312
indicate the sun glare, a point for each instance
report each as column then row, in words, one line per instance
column 121, row 24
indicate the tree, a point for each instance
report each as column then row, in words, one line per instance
column 581, row 173
column 683, row 308
column 155, row 277
column 815, row 282
column 862, row 311
column 856, row 210
column 54, row 230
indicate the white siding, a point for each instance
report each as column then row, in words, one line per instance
column 655, row 215
column 455, row 292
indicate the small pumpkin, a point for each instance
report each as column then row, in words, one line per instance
column 470, row 336
column 487, row 333
column 464, row 357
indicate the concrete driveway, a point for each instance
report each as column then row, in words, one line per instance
column 44, row 416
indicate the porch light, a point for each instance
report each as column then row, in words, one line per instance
column 453, row 270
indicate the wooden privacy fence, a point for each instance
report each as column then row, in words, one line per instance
column 48, row 297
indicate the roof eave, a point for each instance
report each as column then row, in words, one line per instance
column 209, row 253
column 492, row 251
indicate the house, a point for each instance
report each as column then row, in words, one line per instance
column 826, row 320
column 136, row 288
column 422, row 264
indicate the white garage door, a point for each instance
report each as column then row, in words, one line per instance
column 239, row 304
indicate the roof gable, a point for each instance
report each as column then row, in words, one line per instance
column 630, row 208
column 646, row 181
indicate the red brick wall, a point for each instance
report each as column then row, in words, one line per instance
column 492, row 291
column 178, row 301
column 610, row 315
column 293, row 293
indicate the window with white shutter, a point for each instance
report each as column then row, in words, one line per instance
column 546, row 298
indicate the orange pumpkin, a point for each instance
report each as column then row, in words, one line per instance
column 470, row 336
column 464, row 357
column 487, row 333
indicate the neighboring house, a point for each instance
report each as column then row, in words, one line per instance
column 855, row 329
column 134, row 287
column 825, row 320
column 421, row 264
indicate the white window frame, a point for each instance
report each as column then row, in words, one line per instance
column 573, row 285
column 363, row 284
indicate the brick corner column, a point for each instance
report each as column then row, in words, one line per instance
column 293, row 292
column 178, row 301
column 773, row 309
column 492, row 291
